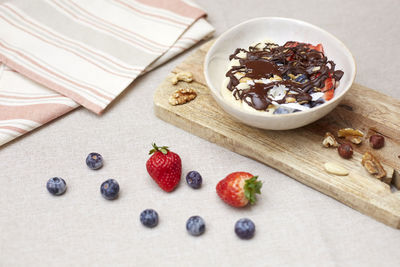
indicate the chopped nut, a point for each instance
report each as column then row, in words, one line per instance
column 243, row 86
column 316, row 69
column 329, row 140
column 260, row 46
column 335, row 168
column 185, row 76
column 354, row 139
column 241, row 54
column 239, row 75
column 276, row 78
column 350, row 132
column 244, row 79
column 373, row 166
column 182, row 96
column 290, row 99
column 351, row 135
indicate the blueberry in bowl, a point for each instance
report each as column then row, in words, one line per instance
column 281, row 74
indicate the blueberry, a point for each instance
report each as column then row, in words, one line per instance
column 56, row 186
column 195, row 225
column 194, row 179
column 149, row 218
column 109, row 189
column 94, row 161
column 245, row 228
column 281, row 110
column 301, row 79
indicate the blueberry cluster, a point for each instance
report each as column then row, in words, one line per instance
column 109, row 189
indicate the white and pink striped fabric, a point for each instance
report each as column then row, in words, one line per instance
column 58, row 54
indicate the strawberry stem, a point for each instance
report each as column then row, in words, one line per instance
column 163, row 149
column 252, row 187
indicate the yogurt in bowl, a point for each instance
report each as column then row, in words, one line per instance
column 278, row 84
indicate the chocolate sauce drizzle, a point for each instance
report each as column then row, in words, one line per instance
column 287, row 61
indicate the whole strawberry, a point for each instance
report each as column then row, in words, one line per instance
column 239, row 188
column 164, row 167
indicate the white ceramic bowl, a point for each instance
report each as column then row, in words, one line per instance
column 279, row 30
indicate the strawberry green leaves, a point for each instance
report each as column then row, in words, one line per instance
column 163, row 149
column 252, row 187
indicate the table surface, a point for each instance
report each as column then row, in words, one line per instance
column 296, row 225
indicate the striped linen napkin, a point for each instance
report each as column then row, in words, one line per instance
column 58, row 54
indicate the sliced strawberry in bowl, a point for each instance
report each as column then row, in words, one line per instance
column 318, row 48
column 329, row 88
column 291, row 44
column 329, row 94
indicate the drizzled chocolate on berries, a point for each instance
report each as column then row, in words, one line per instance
column 296, row 75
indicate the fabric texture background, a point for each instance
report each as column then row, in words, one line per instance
column 88, row 51
column 296, row 225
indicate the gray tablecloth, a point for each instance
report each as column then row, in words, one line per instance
column 295, row 224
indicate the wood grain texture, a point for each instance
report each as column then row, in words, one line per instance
column 299, row 153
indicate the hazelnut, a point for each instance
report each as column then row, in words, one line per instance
column 376, row 141
column 345, row 151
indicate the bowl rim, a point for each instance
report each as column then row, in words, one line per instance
column 327, row 103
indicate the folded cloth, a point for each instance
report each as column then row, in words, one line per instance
column 86, row 52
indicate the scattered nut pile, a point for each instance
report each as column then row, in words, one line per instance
column 345, row 150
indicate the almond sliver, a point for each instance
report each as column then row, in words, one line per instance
column 336, row 169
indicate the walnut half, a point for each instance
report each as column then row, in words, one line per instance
column 182, row 96
column 353, row 135
column 329, row 140
column 373, row 166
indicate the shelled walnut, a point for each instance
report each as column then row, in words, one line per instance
column 352, row 135
column 373, row 166
column 329, row 140
column 182, row 96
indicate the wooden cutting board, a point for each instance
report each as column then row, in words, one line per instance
column 299, row 153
